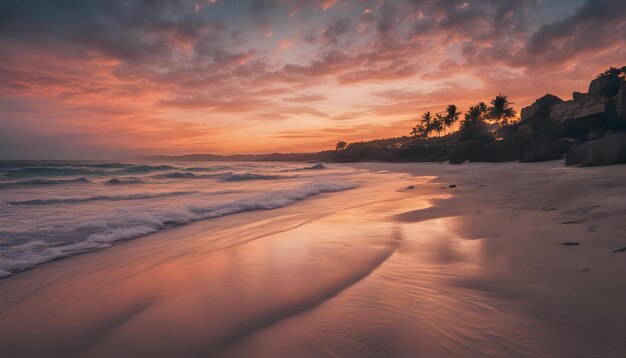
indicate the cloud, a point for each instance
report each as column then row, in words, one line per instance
column 597, row 26
column 394, row 70
column 333, row 31
column 306, row 98
column 230, row 105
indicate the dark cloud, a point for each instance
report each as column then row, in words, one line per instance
column 333, row 31
column 596, row 26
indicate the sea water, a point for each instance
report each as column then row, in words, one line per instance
column 53, row 209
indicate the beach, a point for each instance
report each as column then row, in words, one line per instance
column 428, row 260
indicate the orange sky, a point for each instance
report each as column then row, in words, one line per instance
column 103, row 79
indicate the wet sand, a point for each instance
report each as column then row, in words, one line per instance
column 476, row 270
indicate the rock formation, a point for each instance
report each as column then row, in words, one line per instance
column 585, row 116
column 541, row 106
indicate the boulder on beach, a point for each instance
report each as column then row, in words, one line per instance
column 606, row 151
column 544, row 149
column 606, row 86
column 505, row 150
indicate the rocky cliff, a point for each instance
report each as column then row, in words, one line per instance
column 589, row 122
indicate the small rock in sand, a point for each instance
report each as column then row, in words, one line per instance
column 579, row 221
column 623, row 249
column 452, row 186
column 411, row 187
column 569, row 243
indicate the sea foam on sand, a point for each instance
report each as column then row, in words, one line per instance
column 104, row 231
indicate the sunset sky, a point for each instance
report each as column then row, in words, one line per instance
column 97, row 79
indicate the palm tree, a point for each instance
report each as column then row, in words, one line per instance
column 341, row 145
column 437, row 123
column 423, row 131
column 415, row 131
column 473, row 115
column 501, row 110
column 483, row 107
column 451, row 116
column 427, row 119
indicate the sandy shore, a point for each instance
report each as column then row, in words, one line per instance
column 476, row 270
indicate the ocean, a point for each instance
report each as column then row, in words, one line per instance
column 54, row 209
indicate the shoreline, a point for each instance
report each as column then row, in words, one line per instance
column 475, row 269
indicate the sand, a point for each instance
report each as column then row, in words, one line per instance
column 476, row 270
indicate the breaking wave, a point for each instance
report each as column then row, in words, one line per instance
column 98, row 198
column 29, row 248
column 50, row 172
column 137, row 169
column 119, row 181
column 41, row 182
column 250, row 176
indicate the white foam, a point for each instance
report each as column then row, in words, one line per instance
column 126, row 224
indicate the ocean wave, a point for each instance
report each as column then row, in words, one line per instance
column 41, row 182
column 86, row 169
column 207, row 169
column 109, row 165
column 250, row 176
column 178, row 175
column 229, row 176
column 120, row 181
column 99, row 198
column 50, row 172
column 145, row 169
column 313, row 167
column 106, row 231
column 59, row 163
column 270, row 200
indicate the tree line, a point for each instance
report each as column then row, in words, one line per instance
column 499, row 112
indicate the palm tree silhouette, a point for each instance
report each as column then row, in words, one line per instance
column 474, row 115
column 501, row 110
column 427, row 119
column 415, row 131
column 451, row 116
column 341, row 145
column 423, row 131
column 438, row 123
column 483, row 107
